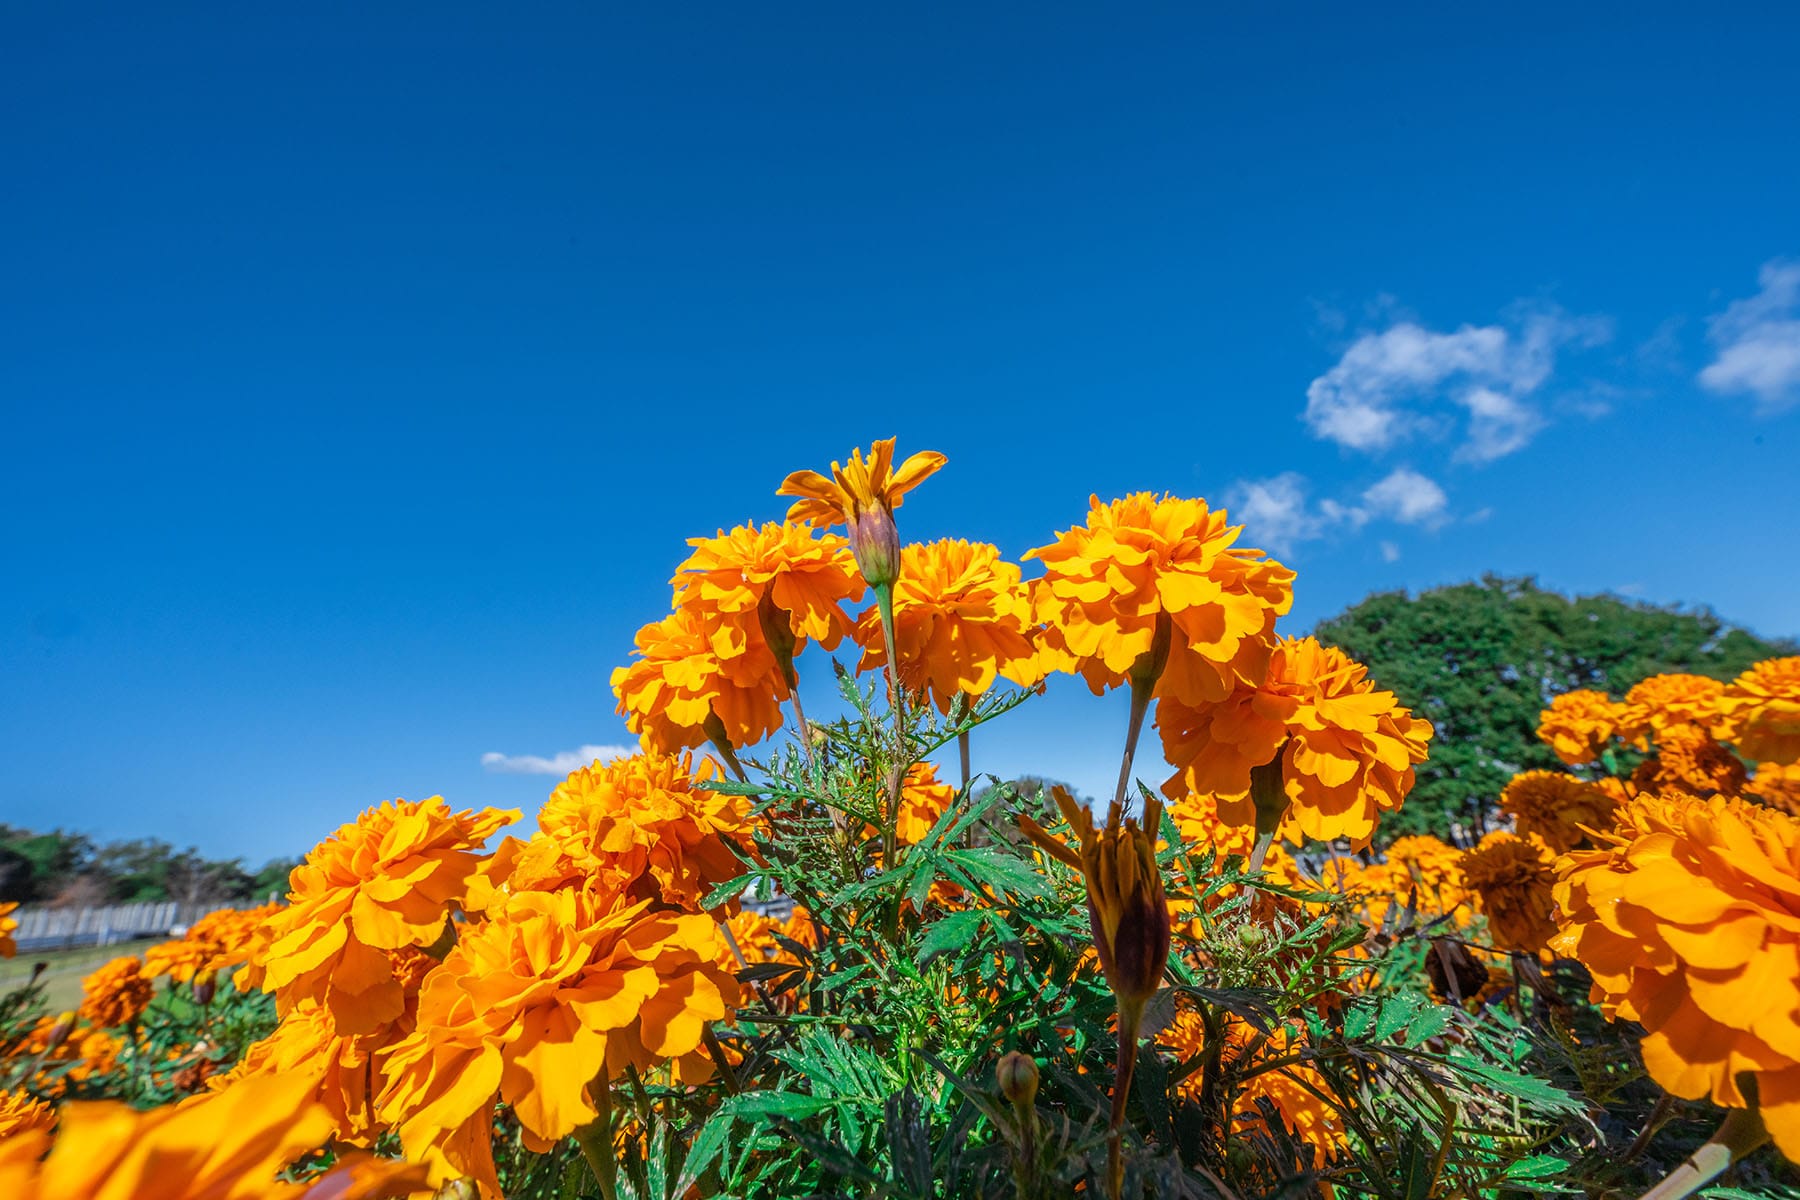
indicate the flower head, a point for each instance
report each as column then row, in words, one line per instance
column 1685, row 917
column 1512, row 878
column 1346, row 750
column 554, row 991
column 1761, row 711
column 1579, row 724
column 923, row 799
column 962, row 620
column 21, row 1112
column 9, row 924
column 1128, row 913
column 386, row 882
column 1673, row 700
column 678, row 693
column 863, row 496
column 1687, row 759
column 1147, row 573
column 1777, row 785
column 1555, row 807
column 227, row 1146
column 781, row 585
column 117, row 993
column 643, row 826
column 216, row 942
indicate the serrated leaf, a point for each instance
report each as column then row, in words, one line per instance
column 948, row 933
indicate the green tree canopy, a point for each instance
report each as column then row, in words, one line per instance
column 1481, row 660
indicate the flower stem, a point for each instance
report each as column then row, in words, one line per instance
column 715, row 733
column 1140, row 704
column 595, row 1140
column 884, row 600
column 1738, row 1134
column 1131, row 1018
column 962, row 750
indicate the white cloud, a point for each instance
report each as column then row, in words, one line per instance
column 1394, row 385
column 1407, row 497
column 558, row 764
column 1759, row 342
column 1279, row 513
column 1390, row 552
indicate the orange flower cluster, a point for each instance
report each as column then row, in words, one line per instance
column 215, row 943
column 962, row 620
column 21, row 1112
column 1150, row 578
column 1579, row 725
column 9, row 925
column 1295, row 1090
column 1347, row 750
column 923, row 799
column 644, row 827
column 117, row 993
column 552, row 992
column 1512, row 879
column 1685, row 916
column 230, row 1146
column 745, row 603
column 1557, row 809
column 1777, row 785
column 1673, row 701
column 1422, row 869
column 385, row 883
column 1760, row 711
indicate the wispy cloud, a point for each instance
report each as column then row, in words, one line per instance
column 1280, row 513
column 557, row 764
column 1758, row 340
column 1390, row 552
column 1407, row 381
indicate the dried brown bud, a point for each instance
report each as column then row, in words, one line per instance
column 206, row 984
column 1018, row 1076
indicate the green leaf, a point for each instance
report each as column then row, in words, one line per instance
column 948, row 933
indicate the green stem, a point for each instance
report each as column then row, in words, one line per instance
column 1738, row 1134
column 884, row 600
column 595, row 1140
column 1131, row 1019
column 962, row 750
column 715, row 733
column 1140, row 704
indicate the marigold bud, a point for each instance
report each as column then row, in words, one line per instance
column 1018, row 1076
column 59, row 1032
column 875, row 543
column 205, row 985
column 1268, row 792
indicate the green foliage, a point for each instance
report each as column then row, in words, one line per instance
column 61, row 865
column 1481, row 660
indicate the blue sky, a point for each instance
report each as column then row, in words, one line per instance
column 364, row 372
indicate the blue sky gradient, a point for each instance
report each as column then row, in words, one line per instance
column 365, row 371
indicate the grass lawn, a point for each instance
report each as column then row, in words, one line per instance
column 62, row 978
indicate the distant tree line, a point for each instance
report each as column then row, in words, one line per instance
column 72, row 869
column 1481, row 660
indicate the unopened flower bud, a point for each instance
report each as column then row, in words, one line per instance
column 1018, row 1076
column 205, row 985
column 875, row 543
column 1268, row 792
column 456, row 1189
column 59, row 1032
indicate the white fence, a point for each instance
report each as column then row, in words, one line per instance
column 61, row 928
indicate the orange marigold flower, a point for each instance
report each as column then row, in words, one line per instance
column 1294, row 1089
column 1144, row 573
column 1663, row 702
column 1687, row 759
column 1347, row 750
column 962, row 620
column 783, row 584
column 1204, row 827
column 386, row 882
column 1579, row 724
column 923, row 799
column 228, row 1146
column 1685, row 917
column 863, row 496
column 1512, row 878
column 217, row 942
column 644, row 826
column 117, row 993
column 21, row 1112
column 9, row 924
column 678, row 694
column 1778, row 785
column 1761, row 711
column 552, row 992
column 1554, row 807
